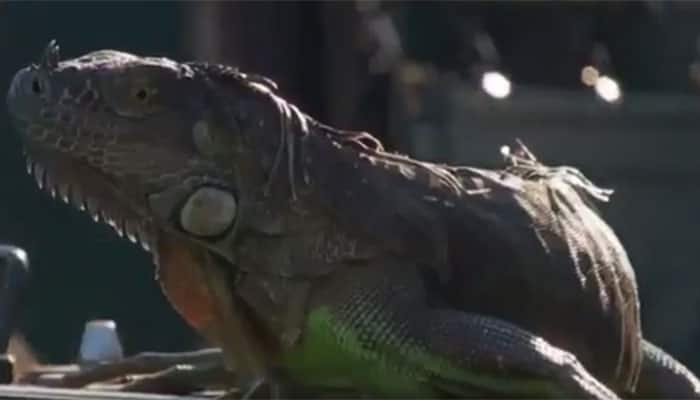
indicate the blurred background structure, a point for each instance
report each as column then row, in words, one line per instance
column 612, row 88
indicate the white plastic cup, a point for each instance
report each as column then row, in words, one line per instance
column 100, row 343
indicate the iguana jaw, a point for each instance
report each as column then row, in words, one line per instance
column 92, row 192
column 138, row 215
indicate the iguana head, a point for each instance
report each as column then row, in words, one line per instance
column 134, row 140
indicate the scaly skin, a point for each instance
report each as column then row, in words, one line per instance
column 314, row 257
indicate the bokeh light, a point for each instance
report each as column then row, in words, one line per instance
column 608, row 89
column 495, row 84
column 589, row 75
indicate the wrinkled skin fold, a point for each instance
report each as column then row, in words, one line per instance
column 316, row 259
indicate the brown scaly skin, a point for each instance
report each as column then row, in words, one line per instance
column 258, row 216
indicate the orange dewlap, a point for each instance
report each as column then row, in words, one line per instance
column 181, row 279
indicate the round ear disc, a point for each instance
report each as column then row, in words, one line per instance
column 208, row 212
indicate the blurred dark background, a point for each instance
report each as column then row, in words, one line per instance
column 609, row 87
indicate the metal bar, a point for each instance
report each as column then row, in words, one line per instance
column 29, row 392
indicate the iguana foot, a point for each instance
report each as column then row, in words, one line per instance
column 175, row 373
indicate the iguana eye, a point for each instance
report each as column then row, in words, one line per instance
column 143, row 94
column 132, row 99
column 208, row 212
column 138, row 90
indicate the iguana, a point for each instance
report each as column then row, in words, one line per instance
column 317, row 259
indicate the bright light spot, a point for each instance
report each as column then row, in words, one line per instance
column 608, row 89
column 589, row 75
column 505, row 151
column 495, row 84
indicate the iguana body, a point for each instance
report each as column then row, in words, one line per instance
column 313, row 256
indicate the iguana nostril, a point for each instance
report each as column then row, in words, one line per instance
column 37, row 87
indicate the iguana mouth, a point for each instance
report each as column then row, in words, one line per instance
column 90, row 191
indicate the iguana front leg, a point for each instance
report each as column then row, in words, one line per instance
column 379, row 329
